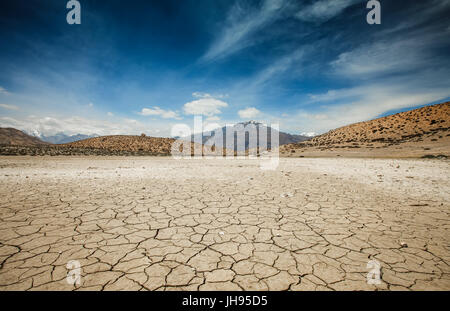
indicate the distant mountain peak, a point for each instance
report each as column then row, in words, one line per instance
column 60, row 138
column 263, row 131
column 309, row 134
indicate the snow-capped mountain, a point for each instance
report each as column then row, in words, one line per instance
column 253, row 128
column 309, row 134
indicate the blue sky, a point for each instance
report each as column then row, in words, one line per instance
column 143, row 66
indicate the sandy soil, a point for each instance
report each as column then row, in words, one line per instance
column 164, row 224
column 436, row 144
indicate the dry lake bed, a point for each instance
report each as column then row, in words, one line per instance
column 153, row 223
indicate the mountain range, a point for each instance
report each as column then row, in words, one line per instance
column 246, row 129
column 61, row 138
column 422, row 132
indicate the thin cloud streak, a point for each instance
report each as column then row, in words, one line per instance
column 156, row 111
column 323, row 10
column 3, row 91
column 242, row 23
column 9, row 107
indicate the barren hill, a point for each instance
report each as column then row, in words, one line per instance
column 423, row 131
column 120, row 145
column 11, row 136
column 155, row 145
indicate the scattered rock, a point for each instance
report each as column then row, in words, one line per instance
column 286, row 195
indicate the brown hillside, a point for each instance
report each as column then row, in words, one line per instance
column 426, row 129
column 11, row 136
column 126, row 143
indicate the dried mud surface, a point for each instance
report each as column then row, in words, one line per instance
column 147, row 223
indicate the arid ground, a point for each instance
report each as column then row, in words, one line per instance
column 147, row 223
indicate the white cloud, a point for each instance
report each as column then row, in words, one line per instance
column 242, row 23
column 9, row 107
column 324, row 10
column 207, row 95
column 308, row 134
column 78, row 125
column 280, row 66
column 382, row 58
column 3, row 91
column 156, row 111
column 91, row 105
column 248, row 113
column 110, row 114
column 214, row 118
column 341, row 94
column 206, row 105
column 208, row 127
column 287, row 66
column 201, row 95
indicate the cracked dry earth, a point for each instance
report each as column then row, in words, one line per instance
column 165, row 224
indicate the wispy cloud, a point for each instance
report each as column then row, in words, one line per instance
column 206, row 95
column 323, row 10
column 280, row 66
column 386, row 57
column 9, row 107
column 400, row 70
column 423, row 12
column 213, row 118
column 248, row 113
column 156, row 111
column 242, row 23
column 3, row 91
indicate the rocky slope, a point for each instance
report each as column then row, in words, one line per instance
column 426, row 129
column 117, row 145
column 11, row 136
column 130, row 143
column 105, row 145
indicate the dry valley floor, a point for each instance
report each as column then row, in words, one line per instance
column 147, row 223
